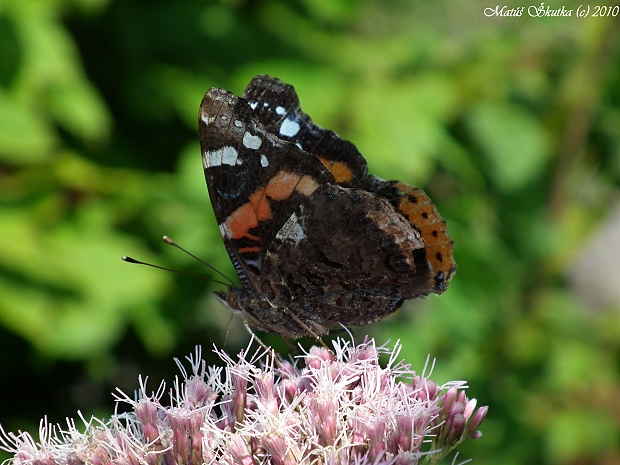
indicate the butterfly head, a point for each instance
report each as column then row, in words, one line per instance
column 231, row 300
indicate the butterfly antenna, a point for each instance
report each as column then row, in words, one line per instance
column 138, row 262
column 169, row 241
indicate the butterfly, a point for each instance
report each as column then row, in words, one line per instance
column 315, row 239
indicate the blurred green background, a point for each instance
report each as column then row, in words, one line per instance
column 511, row 125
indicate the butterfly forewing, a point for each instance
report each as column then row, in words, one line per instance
column 253, row 178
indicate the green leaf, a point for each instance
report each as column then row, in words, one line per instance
column 69, row 293
column 24, row 136
column 78, row 107
column 513, row 143
column 398, row 126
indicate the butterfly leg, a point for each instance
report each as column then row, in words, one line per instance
column 305, row 327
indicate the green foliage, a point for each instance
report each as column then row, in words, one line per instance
column 512, row 125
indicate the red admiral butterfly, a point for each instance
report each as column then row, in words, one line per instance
column 314, row 238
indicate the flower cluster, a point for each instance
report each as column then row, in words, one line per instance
column 340, row 407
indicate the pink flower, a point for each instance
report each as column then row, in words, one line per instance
column 338, row 407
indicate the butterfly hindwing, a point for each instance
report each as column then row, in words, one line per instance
column 342, row 245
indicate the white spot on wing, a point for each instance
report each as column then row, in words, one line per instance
column 297, row 234
column 265, row 104
column 224, row 231
column 263, row 161
column 289, row 127
column 291, row 230
column 207, row 119
column 299, row 145
column 251, row 142
column 224, row 156
column 253, row 105
column 238, row 123
column 280, row 110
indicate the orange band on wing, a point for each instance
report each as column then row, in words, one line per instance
column 307, row 185
column 280, row 187
column 341, row 172
column 249, row 249
column 421, row 212
column 241, row 221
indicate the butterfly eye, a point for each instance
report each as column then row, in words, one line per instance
column 233, row 302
